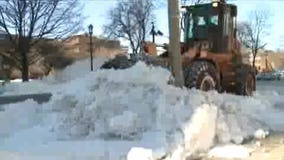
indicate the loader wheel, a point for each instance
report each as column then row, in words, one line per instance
column 245, row 86
column 201, row 75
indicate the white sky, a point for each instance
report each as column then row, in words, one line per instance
column 96, row 12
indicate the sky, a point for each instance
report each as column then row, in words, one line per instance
column 96, row 12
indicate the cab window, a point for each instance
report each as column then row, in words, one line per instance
column 201, row 21
column 214, row 20
column 190, row 27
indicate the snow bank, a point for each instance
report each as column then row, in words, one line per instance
column 137, row 107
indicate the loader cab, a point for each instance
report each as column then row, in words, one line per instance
column 213, row 24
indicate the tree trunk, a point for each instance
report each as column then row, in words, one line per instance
column 24, row 50
column 25, row 67
column 253, row 60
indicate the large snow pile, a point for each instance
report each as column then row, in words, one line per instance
column 142, row 98
column 137, row 107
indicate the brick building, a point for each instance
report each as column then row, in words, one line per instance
column 269, row 60
column 78, row 46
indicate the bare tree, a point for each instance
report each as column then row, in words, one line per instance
column 26, row 22
column 131, row 20
column 242, row 31
column 54, row 55
column 251, row 33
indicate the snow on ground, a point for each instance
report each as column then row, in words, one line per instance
column 78, row 69
column 103, row 114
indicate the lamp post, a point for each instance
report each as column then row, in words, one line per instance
column 91, row 44
column 153, row 32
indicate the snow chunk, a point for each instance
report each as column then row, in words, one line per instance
column 136, row 153
column 199, row 135
column 230, row 152
column 261, row 134
column 124, row 125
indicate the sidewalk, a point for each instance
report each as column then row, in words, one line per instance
column 39, row 98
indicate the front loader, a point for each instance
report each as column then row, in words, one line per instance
column 211, row 52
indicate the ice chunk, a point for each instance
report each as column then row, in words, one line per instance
column 199, row 135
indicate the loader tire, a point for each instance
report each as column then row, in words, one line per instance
column 201, row 75
column 245, row 84
column 119, row 62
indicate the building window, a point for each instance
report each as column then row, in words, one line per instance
column 76, row 50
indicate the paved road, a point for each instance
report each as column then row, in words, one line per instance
column 277, row 86
column 40, row 98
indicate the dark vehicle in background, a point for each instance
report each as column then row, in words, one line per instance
column 269, row 76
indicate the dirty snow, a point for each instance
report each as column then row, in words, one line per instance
column 103, row 114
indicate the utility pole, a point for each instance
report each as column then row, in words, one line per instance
column 174, row 49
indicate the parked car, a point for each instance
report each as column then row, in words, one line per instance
column 2, row 82
column 281, row 72
column 271, row 76
column 277, row 75
column 2, row 90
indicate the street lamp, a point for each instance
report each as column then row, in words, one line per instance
column 91, row 44
column 155, row 33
